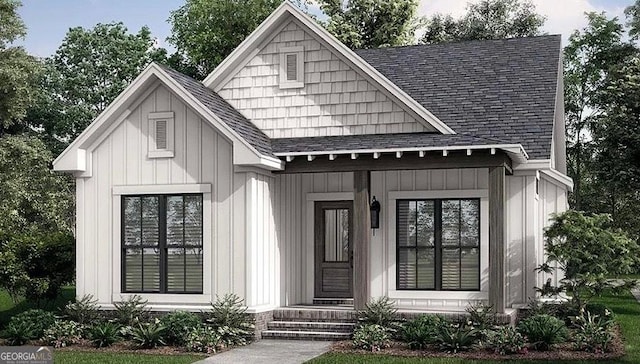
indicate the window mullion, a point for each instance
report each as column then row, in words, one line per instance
column 184, row 248
column 437, row 205
column 162, row 241
column 141, row 244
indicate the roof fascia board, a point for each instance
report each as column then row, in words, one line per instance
column 256, row 38
column 536, row 164
column 558, row 178
column 513, row 148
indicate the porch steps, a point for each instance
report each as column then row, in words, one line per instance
column 303, row 323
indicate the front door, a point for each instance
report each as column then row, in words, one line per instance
column 333, row 249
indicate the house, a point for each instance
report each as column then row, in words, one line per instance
column 301, row 172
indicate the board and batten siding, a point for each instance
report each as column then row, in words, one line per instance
column 202, row 156
column 335, row 99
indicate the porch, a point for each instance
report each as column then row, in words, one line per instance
column 392, row 176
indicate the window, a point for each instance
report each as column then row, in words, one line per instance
column 161, row 135
column 438, row 245
column 162, row 244
column 292, row 67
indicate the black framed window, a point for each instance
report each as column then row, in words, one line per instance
column 162, row 243
column 438, row 244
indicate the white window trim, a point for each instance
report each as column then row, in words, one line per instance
column 299, row 82
column 153, row 118
column 207, row 246
column 483, row 294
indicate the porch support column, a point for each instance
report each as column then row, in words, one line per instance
column 361, row 238
column 496, row 238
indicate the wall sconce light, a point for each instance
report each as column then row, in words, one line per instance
column 375, row 213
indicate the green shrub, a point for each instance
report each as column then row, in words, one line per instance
column 178, row 324
column 148, row 335
column 104, row 334
column 19, row 332
column 63, row 333
column 481, row 316
column 203, row 339
column 543, row 331
column 380, row 311
column 593, row 332
column 39, row 319
column 456, row 337
column 505, row 340
column 83, row 311
column 421, row 331
column 230, row 319
column 371, row 337
column 131, row 311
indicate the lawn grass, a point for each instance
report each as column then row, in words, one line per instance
column 77, row 357
column 625, row 307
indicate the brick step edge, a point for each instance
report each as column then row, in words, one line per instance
column 305, row 335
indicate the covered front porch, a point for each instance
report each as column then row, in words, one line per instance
column 315, row 186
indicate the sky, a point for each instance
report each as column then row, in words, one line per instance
column 48, row 20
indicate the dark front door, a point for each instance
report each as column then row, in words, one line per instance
column 333, row 249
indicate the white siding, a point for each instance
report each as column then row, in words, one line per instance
column 553, row 199
column 335, row 100
column 202, row 156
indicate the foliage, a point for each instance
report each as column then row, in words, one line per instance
column 104, row 334
column 205, row 32
column 229, row 317
column 63, row 333
column 454, row 338
column 40, row 319
column 543, row 331
column 506, row 340
column 18, row 70
column 148, row 335
column 371, row 337
column 587, row 250
column 88, row 71
column 32, row 196
column 83, row 311
column 422, row 331
column 481, row 316
column 371, row 23
column 593, row 332
column 487, row 19
column 36, row 265
column 178, row 324
column 202, row 339
column 19, row 332
column 633, row 19
column 380, row 311
column 131, row 311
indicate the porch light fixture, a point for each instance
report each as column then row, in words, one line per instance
column 375, row 213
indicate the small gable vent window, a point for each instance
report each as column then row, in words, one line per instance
column 292, row 67
column 161, row 135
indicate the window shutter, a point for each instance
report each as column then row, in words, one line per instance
column 292, row 67
column 161, row 134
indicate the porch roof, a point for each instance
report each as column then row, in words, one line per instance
column 391, row 143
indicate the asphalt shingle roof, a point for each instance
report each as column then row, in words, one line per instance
column 227, row 113
column 497, row 89
column 375, row 141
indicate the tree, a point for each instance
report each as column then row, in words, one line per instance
column 633, row 19
column 89, row 70
column 487, row 19
column 17, row 68
column 32, row 196
column 371, row 23
column 588, row 58
column 205, row 32
column 588, row 250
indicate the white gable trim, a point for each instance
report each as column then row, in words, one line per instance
column 266, row 30
column 75, row 157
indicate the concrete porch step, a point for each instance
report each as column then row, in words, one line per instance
column 305, row 335
column 312, row 326
column 333, row 302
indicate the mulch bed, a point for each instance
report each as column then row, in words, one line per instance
column 558, row 352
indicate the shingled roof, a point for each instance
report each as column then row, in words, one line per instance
column 227, row 113
column 497, row 89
